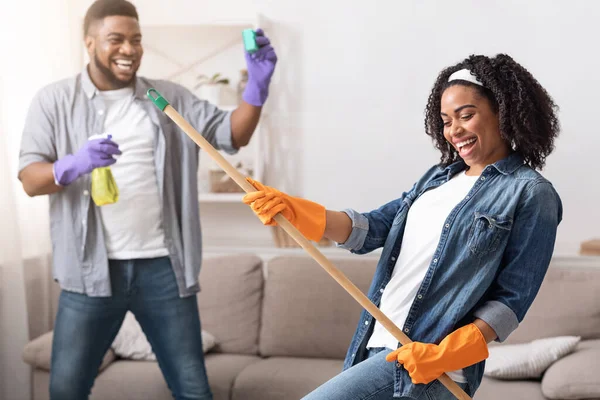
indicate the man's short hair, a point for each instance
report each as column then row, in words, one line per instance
column 106, row 8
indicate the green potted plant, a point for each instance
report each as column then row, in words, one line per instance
column 210, row 88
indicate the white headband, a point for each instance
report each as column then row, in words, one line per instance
column 464, row 75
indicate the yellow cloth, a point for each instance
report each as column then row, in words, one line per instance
column 307, row 216
column 425, row 362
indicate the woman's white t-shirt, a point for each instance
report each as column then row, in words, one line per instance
column 424, row 224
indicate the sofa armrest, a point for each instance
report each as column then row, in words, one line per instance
column 38, row 352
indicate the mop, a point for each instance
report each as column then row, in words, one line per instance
column 291, row 230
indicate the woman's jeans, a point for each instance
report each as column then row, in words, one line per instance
column 372, row 379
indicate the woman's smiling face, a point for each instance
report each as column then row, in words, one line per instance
column 472, row 127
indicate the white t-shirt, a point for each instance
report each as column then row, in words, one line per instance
column 424, row 224
column 132, row 225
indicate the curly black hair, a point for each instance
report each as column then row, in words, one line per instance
column 526, row 112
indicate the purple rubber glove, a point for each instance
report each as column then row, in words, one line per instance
column 261, row 66
column 94, row 154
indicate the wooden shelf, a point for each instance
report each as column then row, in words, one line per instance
column 221, row 197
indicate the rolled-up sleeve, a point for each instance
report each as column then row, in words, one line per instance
column 37, row 141
column 360, row 228
column 526, row 260
column 370, row 230
column 499, row 317
column 223, row 135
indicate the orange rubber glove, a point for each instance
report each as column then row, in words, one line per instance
column 308, row 217
column 425, row 362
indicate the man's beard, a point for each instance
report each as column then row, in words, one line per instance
column 112, row 78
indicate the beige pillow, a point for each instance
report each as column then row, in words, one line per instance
column 576, row 376
column 38, row 353
column 131, row 342
column 527, row 360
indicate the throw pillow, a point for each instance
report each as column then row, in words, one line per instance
column 131, row 342
column 575, row 376
column 527, row 360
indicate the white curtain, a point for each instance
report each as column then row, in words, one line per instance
column 40, row 43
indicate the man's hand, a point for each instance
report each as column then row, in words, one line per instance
column 94, row 154
column 261, row 66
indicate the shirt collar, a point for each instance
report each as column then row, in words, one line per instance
column 86, row 83
column 510, row 164
column 506, row 166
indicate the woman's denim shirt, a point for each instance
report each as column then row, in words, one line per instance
column 493, row 253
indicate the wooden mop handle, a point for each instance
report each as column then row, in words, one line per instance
column 291, row 230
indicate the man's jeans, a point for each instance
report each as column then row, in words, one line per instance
column 85, row 328
column 372, row 379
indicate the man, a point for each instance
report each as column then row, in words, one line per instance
column 143, row 252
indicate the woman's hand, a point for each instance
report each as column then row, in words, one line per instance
column 307, row 216
column 425, row 362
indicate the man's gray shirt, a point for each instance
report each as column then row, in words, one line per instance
column 61, row 118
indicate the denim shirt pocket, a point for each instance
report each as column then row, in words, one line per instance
column 487, row 231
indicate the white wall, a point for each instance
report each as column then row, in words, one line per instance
column 354, row 76
column 367, row 69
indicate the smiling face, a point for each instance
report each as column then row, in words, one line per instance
column 114, row 45
column 471, row 126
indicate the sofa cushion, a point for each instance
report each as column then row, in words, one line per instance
column 551, row 315
column 133, row 380
column 494, row 389
column 527, row 360
column 223, row 370
column 230, row 302
column 306, row 313
column 143, row 380
column 38, row 352
column 577, row 376
column 284, row 378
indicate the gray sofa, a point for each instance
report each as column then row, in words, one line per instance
column 283, row 327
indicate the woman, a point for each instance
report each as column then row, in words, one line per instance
column 464, row 251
